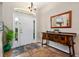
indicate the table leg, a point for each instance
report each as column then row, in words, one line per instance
column 42, row 42
column 73, row 48
column 70, row 51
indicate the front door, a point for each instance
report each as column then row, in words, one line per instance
column 24, row 24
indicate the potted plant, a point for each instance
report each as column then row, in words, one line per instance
column 9, row 39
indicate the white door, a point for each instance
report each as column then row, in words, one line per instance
column 24, row 27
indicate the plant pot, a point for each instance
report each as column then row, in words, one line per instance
column 7, row 47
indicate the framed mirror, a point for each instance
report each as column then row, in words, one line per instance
column 62, row 20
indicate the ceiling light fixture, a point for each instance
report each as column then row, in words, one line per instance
column 31, row 7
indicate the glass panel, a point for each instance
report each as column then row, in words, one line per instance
column 33, row 29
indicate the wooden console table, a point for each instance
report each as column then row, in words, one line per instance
column 62, row 38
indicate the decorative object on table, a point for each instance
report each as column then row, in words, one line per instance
column 56, row 30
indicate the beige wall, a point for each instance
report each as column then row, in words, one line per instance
column 0, row 11
column 1, row 32
column 1, row 46
column 56, row 8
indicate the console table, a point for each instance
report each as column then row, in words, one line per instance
column 64, row 38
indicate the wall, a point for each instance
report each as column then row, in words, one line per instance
column 0, row 11
column 56, row 8
column 1, row 46
column 1, row 32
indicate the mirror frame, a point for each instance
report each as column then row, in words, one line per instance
column 70, row 19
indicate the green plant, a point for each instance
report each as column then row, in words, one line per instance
column 9, row 38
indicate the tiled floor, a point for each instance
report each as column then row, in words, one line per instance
column 35, row 50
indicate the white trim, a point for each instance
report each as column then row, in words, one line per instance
column 24, row 11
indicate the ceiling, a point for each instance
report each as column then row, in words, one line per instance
column 40, row 4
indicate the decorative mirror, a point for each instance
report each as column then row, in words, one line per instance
column 62, row 20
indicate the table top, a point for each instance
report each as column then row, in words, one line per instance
column 61, row 33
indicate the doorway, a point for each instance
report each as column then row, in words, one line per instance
column 24, row 26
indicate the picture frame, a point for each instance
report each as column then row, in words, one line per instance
column 62, row 20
